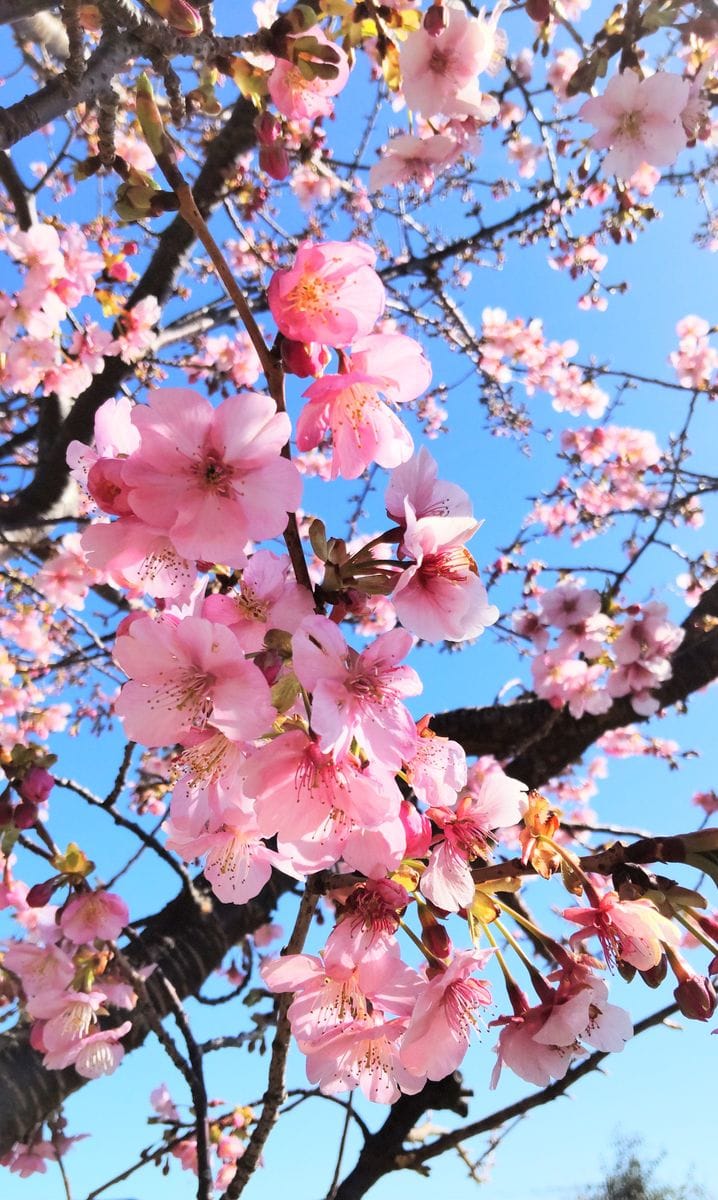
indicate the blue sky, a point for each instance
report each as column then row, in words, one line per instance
column 660, row 1087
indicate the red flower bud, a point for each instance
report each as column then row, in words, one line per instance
column 305, row 358
column 274, row 160
column 696, row 998
column 25, row 815
column 435, row 20
column 40, row 894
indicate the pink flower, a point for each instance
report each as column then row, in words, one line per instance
column 630, row 930
column 93, row 1056
column 299, row 98
column 415, row 482
column 439, row 73
column 363, row 427
column 268, row 598
column 314, row 803
column 331, row 294
column 640, row 119
column 137, row 557
column 539, row 1044
column 438, row 769
column 204, row 475
column 440, row 1027
column 408, row 159
column 364, row 1054
column 358, row 695
column 330, row 993
column 94, row 915
column 440, row 596
column 447, row 880
column 185, row 676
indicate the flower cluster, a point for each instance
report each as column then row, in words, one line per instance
column 544, row 366
column 595, row 658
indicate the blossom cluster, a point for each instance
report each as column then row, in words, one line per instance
column 544, row 365
column 596, row 658
column 61, row 971
column 59, row 272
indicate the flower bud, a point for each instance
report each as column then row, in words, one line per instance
column 25, row 815
column 40, row 894
column 417, row 828
column 696, row 997
column 654, row 976
column 179, row 15
column 37, row 785
column 149, row 117
column 305, row 359
column 274, row 161
column 538, row 10
column 434, row 935
column 435, row 20
column 269, row 129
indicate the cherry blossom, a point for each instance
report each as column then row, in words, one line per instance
column 331, row 294
column 358, row 695
column 639, row 119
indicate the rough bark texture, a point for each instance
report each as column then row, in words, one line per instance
column 187, row 940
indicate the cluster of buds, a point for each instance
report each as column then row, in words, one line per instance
column 29, row 778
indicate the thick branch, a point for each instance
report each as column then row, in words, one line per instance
column 382, row 1152
column 540, row 742
column 52, row 101
column 187, row 941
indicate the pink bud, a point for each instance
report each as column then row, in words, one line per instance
column 696, row 997
column 25, row 815
column 274, row 160
column 269, row 129
column 435, row 20
column 417, row 827
column 305, row 358
column 37, row 785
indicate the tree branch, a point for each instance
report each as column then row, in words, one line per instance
column 187, row 941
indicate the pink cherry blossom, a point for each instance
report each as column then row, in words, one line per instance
column 93, row 915
column 439, row 72
column 203, row 475
column 639, row 119
column 440, row 1027
column 631, row 930
column 331, row 294
column 267, row 598
column 409, row 159
column 312, row 802
column 365, row 1054
column 364, row 429
column 415, row 482
column 440, row 596
column 499, row 803
column 358, row 695
column 306, row 99
column 185, row 676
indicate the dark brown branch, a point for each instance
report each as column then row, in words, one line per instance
column 187, row 941
column 39, row 108
column 540, row 742
column 47, row 488
column 22, row 198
